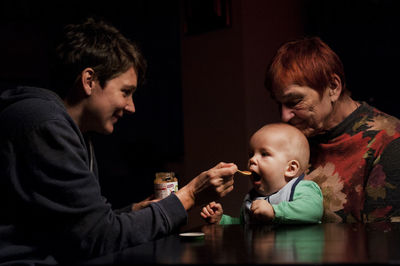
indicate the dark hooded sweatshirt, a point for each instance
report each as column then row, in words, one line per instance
column 50, row 199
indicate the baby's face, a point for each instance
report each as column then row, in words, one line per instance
column 268, row 160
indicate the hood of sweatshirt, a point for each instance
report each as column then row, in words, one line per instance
column 11, row 96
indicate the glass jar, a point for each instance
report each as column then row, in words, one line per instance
column 165, row 183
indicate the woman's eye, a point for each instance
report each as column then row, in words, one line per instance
column 126, row 93
column 292, row 104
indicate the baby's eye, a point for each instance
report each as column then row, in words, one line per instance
column 263, row 154
column 251, row 154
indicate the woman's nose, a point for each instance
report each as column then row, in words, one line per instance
column 130, row 106
column 286, row 113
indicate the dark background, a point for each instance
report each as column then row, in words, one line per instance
column 363, row 33
column 141, row 143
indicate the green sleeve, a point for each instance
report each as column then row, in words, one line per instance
column 226, row 219
column 306, row 206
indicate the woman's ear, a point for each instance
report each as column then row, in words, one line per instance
column 292, row 169
column 335, row 88
column 87, row 79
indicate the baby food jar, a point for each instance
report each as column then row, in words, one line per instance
column 165, row 183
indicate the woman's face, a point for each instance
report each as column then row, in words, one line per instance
column 107, row 105
column 304, row 108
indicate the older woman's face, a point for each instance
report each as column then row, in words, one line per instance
column 304, row 108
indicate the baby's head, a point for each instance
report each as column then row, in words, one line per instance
column 278, row 153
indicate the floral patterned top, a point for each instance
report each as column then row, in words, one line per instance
column 357, row 166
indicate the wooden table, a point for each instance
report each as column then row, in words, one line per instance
column 279, row 244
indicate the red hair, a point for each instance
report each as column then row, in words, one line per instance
column 305, row 62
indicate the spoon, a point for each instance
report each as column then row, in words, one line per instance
column 244, row 172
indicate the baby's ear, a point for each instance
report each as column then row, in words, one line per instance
column 292, row 169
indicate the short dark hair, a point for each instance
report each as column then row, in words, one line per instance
column 305, row 62
column 96, row 44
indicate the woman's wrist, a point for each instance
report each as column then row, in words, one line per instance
column 186, row 196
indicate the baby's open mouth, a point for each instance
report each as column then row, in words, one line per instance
column 256, row 177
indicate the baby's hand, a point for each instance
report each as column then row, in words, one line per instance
column 262, row 211
column 212, row 212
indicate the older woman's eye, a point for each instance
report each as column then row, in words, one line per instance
column 292, row 104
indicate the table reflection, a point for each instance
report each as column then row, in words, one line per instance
column 271, row 244
column 288, row 244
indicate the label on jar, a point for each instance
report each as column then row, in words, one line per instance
column 162, row 190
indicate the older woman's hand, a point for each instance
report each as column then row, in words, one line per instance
column 218, row 180
column 144, row 203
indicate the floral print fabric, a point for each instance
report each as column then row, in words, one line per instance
column 357, row 166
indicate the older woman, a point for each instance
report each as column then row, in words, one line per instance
column 355, row 148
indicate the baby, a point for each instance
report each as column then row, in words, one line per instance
column 279, row 155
